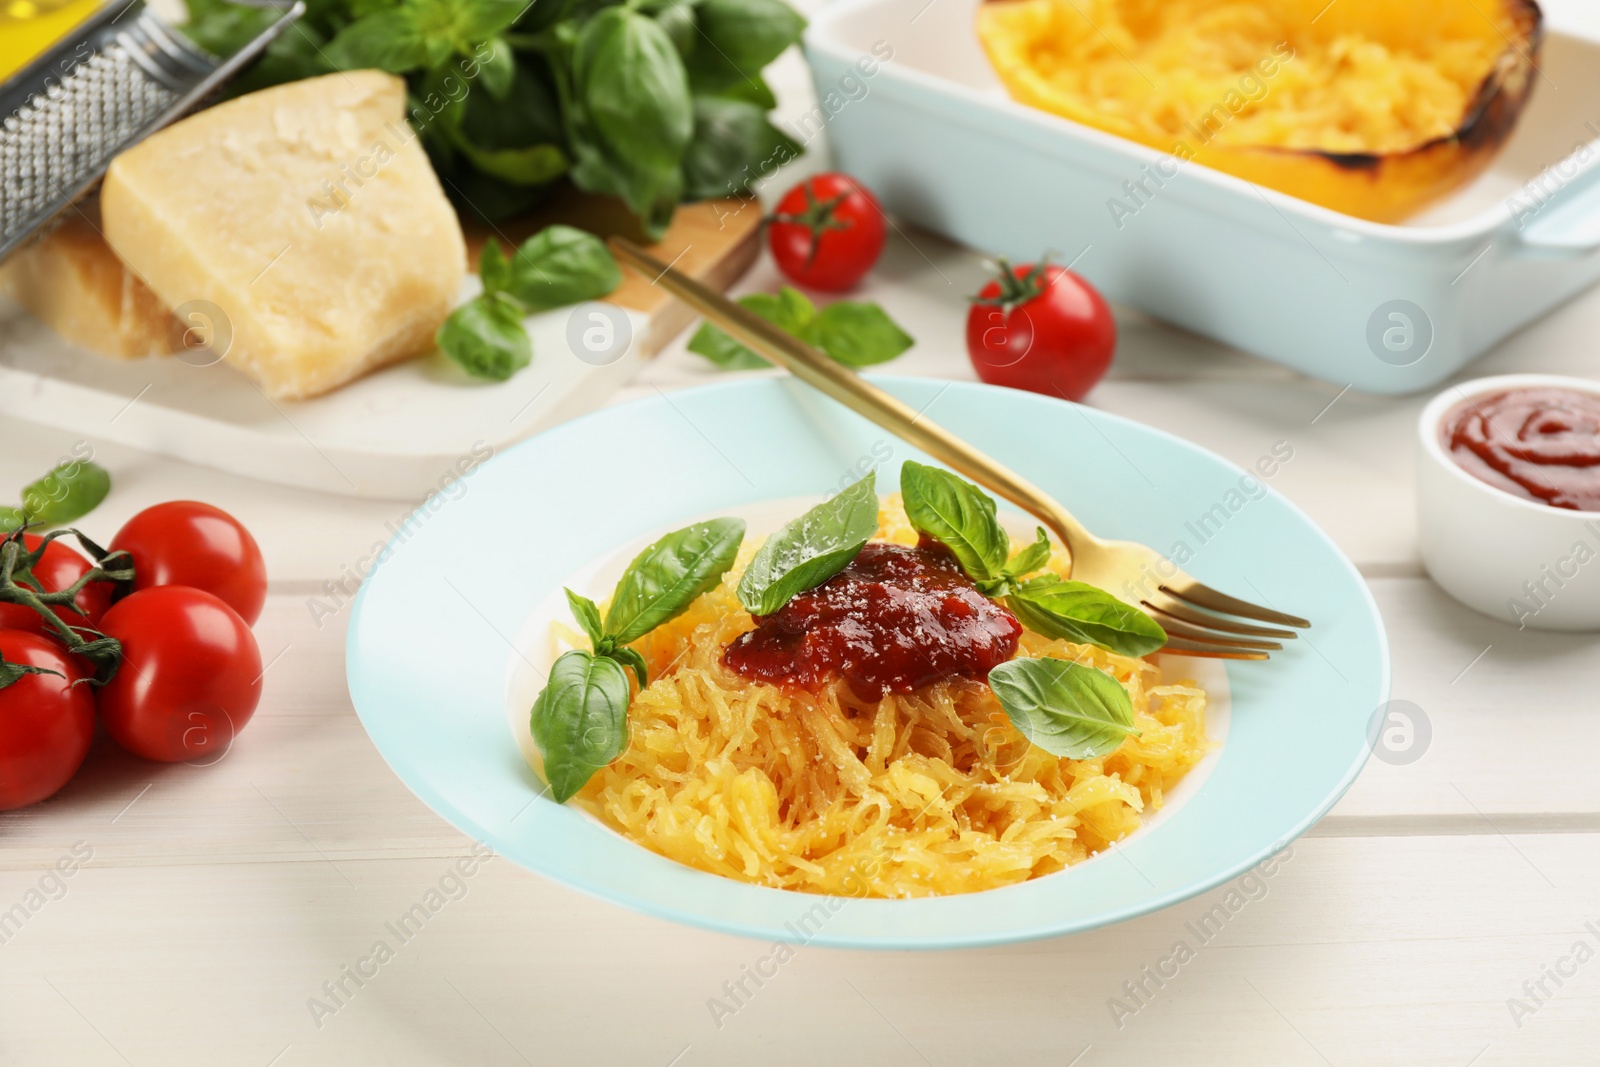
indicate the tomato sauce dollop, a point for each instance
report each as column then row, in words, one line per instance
column 1540, row 444
column 895, row 620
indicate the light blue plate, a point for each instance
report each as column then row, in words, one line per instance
column 430, row 641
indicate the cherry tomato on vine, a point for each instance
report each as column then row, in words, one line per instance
column 189, row 678
column 185, row 542
column 827, row 233
column 57, row 569
column 1043, row 328
column 46, row 722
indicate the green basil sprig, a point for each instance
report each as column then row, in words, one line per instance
column 557, row 266
column 857, row 335
column 486, row 338
column 666, row 577
column 1065, row 708
column 958, row 515
column 962, row 517
column 809, row 550
column 67, row 493
column 580, row 719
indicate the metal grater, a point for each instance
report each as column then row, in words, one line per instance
column 116, row 79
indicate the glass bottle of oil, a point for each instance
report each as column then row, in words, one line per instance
column 28, row 27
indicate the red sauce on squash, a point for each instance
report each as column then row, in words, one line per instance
column 895, row 620
column 1540, row 444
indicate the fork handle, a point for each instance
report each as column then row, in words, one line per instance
column 833, row 379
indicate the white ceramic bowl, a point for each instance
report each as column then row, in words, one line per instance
column 1529, row 564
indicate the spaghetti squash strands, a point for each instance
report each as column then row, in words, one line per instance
column 913, row 794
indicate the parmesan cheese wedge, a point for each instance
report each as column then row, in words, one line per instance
column 302, row 223
column 72, row 282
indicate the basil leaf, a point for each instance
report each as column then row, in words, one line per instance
column 486, row 337
column 740, row 38
column 788, row 309
column 222, row 28
column 677, row 18
column 958, row 515
column 580, row 719
column 733, row 145
column 859, row 335
column 1074, row 611
column 10, row 518
column 1031, row 558
column 630, row 118
column 809, row 550
column 749, row 33
column 66, row 494
column 1065, row 708
column 494, row 269
column 664, row 579
column 631, row 659
column 470, row 21
column 723, row 350
column 561, row 265
column 588, row 616
column 856, row 335
column 537, row 164
column 499, row 70
column 530, row 114
column 385, row 40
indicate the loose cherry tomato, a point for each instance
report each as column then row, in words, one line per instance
column 1042, row 328
column 827, row 232
column 190, row 675
column 46, row 722
column 184, row 542
column 57, row 569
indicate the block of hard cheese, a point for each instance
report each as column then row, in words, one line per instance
column 307, row 215
column 72, row 282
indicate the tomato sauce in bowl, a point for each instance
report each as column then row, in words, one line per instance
column 896, row 619
column 1541, row 444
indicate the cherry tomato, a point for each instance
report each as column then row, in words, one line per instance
column 46, row 722
column 1042, row 328
column 184, row 542
column 58, row 568
column 827, row 232
column 190, row 676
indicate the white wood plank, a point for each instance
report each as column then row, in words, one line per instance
column 1359, row 951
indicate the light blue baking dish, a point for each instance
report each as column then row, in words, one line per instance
column 1382, row 308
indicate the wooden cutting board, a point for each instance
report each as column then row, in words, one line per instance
column 713, row 241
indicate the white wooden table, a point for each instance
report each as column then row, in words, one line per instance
column 213, row 905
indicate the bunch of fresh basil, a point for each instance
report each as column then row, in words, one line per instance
column 557, row 266
column 855, row 334
column 654, row 101
column 580, row 719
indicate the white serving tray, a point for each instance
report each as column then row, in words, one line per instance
column 936, row 136
column 398, row 433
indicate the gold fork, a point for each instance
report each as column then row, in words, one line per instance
column 1195, row 616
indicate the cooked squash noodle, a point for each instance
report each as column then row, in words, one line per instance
column 1191, row 71
column 916, row 794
